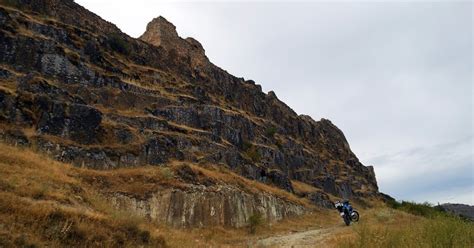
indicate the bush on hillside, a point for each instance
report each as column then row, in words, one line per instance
column 251, row 152
column 270, row 131
column 119, row 44
column 13, row 3
column 246, row 145
column 420, row 209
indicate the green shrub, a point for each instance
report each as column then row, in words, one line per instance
column 270, row 131
column 251, row 152
column 420, row 209
column 119, row 44
column 246, row 145
column 255, row 220
column 393, row 204
column 12, row 3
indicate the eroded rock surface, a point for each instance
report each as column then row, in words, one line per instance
column 208, row 206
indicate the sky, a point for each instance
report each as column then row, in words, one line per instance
column 394, row 76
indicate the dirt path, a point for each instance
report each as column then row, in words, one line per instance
column 311, row 238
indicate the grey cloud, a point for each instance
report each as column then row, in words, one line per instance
column 420, row 172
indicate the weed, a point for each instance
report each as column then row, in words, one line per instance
column 255, row 220
column 40, row 192
column 167, row 173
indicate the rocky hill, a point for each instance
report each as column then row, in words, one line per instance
column 75, row 87
column 463, row 210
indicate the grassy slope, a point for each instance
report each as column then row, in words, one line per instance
column 406, row 227
column 47, row 203
column 43, row 202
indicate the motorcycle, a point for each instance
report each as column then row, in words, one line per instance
column 347, row 213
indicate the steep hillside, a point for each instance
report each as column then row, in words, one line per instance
column 75, row 87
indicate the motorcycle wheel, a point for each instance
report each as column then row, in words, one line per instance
column 347, row 219
column 355, row 216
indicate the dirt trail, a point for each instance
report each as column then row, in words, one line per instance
column 310, row 238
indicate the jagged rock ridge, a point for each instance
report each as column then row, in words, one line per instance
column 76, row 87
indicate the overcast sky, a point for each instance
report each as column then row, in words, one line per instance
column 396, row 77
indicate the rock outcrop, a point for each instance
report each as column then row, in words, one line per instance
column 74, row 86
column 162, row 33
column 462, row 210
column 207, row 206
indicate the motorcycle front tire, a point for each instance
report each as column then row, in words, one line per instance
column 347, row 219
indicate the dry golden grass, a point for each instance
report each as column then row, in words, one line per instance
column 127, row 112
column 386, row 227
column 44, row 202
column 303, row 188
column 228, row 177
column 140, row 181
column 8, row 87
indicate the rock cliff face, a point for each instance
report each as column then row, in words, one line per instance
column 76, row 87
